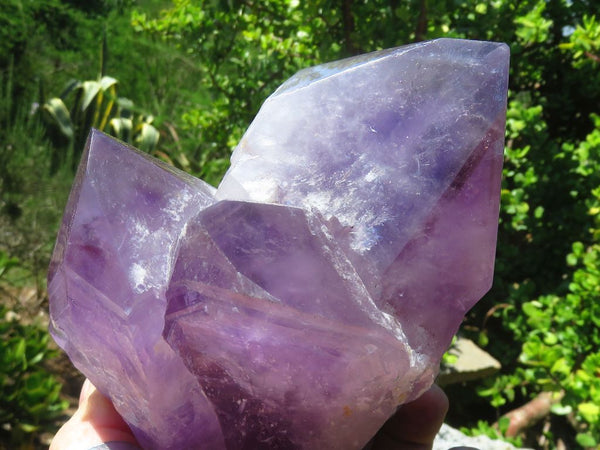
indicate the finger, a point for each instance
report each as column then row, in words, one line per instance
column 100, row 412
column 95, row 422
column 416, row 424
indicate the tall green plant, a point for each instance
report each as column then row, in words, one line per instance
column 93, row 104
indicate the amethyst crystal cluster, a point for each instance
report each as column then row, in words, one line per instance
column 317, row 288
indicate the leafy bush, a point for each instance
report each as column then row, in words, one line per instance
column 560, row 332
column 551, row 208
column 493, row 432
column 29, row 395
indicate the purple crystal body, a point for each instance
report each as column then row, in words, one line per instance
column 317, row 288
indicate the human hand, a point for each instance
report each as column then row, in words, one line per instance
column 415, row 424
column 96, row 422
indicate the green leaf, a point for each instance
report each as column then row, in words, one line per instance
column 481, row 8
column 550, row 338
column 107, row 82
column 503, row 424
column 578, row 249
column 532, row 309
column 19, row 352
column 572, row 259
column 28, row 427
column 586, row 440
column 483, row 339
column 589, row 411
column 36, row 359
column 57, row 113
column 90, row 91
column 561, row 366
column 121, row 128
column 538, row 212
column 147, row 137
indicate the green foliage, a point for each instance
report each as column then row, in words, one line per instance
column 29, row 395
column 560, row 350
column 584, row 43
column 204, row 68
column 94, row 104
column 559, row 332
column 6, row 263
column 52, row 28
column 30, row 204
column 242, row 52
column 533, row 27
column 20, row 19
column 30, row 199
column 450, row 357
column 485, row 429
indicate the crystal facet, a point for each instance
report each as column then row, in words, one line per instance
column 316, row 289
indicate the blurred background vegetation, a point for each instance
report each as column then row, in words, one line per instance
column 183, row 79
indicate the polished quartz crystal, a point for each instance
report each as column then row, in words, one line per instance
column 316, row 289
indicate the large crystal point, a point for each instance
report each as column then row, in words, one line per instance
column 318, row 287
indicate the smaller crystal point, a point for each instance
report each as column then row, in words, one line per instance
column 107, row 283
column 318, row 287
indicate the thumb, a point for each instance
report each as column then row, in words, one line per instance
column 96, row 421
